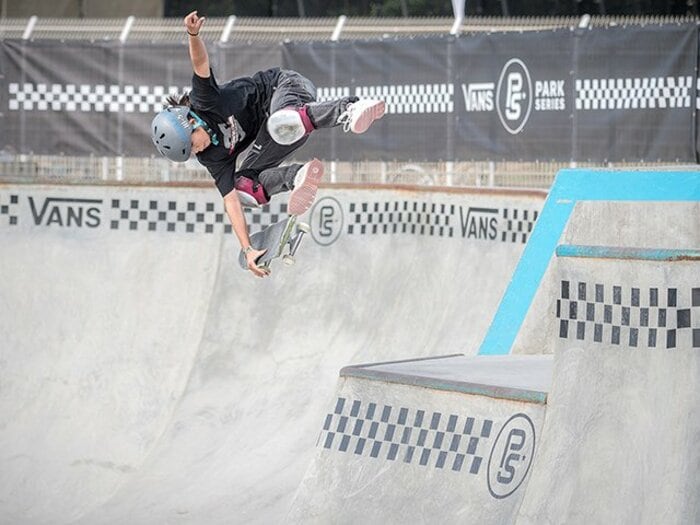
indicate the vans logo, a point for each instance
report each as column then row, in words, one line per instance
column 478, row 96
column 479, row 223
column 70, row 213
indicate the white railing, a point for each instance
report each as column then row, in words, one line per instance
column 298, row 29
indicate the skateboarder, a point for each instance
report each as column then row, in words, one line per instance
column 270, row 115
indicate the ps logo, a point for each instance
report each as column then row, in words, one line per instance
column 511, row 456
column 326, row 221
column 514, row 96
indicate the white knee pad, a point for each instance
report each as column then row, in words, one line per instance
column 286, row 126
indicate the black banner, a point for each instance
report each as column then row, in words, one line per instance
column 82, row 98
column 602, row 94
column 514, row 96
column 636, row 91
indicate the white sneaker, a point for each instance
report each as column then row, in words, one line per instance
column 358, row 116
column 305, row 187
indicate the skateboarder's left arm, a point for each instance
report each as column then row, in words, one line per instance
column 234, row 210
column 198, row 51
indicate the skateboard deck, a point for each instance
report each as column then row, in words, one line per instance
column 281, row 239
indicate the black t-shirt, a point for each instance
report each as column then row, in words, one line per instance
column 235, row 112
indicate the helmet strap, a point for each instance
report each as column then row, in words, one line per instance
column 199, row 123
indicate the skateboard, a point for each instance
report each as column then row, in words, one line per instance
column 281, row 239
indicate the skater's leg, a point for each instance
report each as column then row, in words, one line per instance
column 294, row 111
column 301, row 179
column 288, row 121
column 260, row 167
column 279, row 179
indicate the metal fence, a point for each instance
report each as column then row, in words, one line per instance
column 250, row 29
column 110, row 170
column 18, row 168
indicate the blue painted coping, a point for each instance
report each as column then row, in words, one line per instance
column 572, row 186
column 616, row 252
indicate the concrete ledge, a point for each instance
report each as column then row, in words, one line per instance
column 517, row 378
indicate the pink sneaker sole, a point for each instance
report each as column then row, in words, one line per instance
column 303, row 196
column 369, row 115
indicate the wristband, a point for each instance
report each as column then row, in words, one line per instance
column 247, row 250
column 192, row 34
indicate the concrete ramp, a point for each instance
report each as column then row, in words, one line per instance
column 446, row 440
column 619, row 443
column 459, row 439
column 145, row 378
column 608, row 284
column 98, row 337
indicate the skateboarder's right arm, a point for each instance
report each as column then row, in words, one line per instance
column 234, row 210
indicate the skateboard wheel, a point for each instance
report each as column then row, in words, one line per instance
column 288, row 260
column 303, row 227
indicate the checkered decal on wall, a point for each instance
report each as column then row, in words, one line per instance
column 518, row 225
column 634, row 93
column 185, row 217
column 7, row 208
column 88, row 97
column 426, row 218
column 413, row 436
column 421, row 218
column 638, row 317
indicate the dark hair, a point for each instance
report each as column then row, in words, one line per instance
column 182, row 99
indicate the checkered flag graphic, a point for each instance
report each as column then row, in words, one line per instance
column 400, row 99
column 7, row 204
column 326, row 94
column 401, row 217
column 634, row 93
column 649, row 317
column 518, row 224
column 412, row 98
column 89, row 98
column 405, row 98
column 186, row 217
column 412, row 436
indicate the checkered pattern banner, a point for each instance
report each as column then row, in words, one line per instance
column 635, row 93
column 636, row 317
column 412, row 98
column 410, row 435
column 88, row 98
column 433, row 98
column 446, row 100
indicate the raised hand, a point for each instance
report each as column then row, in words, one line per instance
column 193, row 23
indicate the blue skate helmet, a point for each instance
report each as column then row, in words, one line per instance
column 171, row 130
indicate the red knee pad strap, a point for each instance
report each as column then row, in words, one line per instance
column 308, row 126
column 250, row 187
